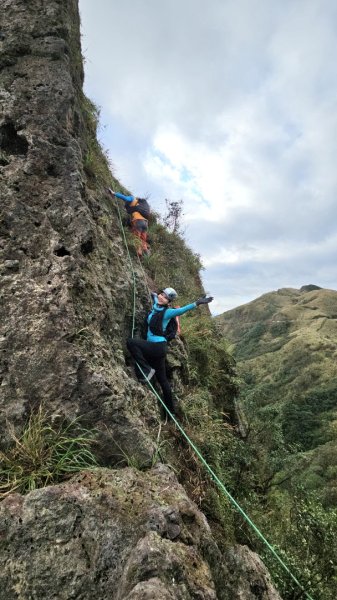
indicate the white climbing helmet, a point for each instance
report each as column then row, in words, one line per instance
column 170, row 293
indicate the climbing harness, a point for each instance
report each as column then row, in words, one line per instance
column 198, row 453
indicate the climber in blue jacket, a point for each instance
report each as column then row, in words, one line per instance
column 150, row 354
column 138, row 210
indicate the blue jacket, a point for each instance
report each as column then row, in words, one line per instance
column 169, row 313
column 125, row 198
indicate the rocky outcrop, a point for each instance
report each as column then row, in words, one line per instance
column 119, row 534
column 65, row 281
column 247, row 575
column 311, row 287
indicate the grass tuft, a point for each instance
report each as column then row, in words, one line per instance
column 44, row 454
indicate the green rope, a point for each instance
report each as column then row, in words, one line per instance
column 198, row 453
column 132, row 270
column 226, row 492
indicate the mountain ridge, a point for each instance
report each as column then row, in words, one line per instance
column 285, row 344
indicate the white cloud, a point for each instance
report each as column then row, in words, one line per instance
column 230, row 105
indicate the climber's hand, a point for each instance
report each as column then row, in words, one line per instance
column 111, row 192
column 204, row 300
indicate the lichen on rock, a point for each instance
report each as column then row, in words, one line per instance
column 118, row 533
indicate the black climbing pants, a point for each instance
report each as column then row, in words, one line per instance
column 152, row 355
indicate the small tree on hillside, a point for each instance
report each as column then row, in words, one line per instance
column 172, row 219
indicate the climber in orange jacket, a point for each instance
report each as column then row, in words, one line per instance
column 139, row 211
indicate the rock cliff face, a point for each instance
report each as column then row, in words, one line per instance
column 119, row 534
column 65, row 282
column 66, row 309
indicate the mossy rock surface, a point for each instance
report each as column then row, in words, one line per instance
column 119, row 534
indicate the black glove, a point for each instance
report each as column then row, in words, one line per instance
column 204, row 300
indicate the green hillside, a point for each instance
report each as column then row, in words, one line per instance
column 285, row 343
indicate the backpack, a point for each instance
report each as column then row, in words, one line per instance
column 156, row 326
column 142, row 207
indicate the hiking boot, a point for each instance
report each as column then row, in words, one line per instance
column 174, row 410
column 148, row 376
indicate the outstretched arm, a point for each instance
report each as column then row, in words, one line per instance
column 121, row 196
column 125, row 198
column 176, row 312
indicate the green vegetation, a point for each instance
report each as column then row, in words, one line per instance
column 172, row 219
column 172, row 263
column 248, row 344
column 44, row 453
column 306, row 422
column 285, row 350
column 305, row 540
column 211, row 365
column 95, row 161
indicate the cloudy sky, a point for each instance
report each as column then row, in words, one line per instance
column 230, row 105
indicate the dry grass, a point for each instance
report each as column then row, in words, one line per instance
column 44, row 454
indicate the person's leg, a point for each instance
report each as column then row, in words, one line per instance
column 139, row 229
column 138, row 241
column 140, row 352
column 159, row 366
column 136, row 230
column 151, row 354
column 145, row 245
